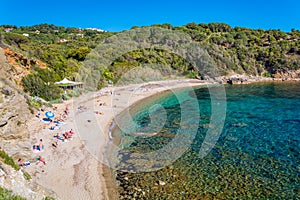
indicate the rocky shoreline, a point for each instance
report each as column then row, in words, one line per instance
column 245, row 79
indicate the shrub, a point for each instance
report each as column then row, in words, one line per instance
column 26, row 176
column 6, row 194
column 49, row 198
column 19, row 123
column 56, row 101
column 35, row 104
column 9, row 160
column 267, row 74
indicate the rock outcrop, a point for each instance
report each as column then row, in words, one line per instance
column 19, row 65
column 288, row 74
column 245, row 79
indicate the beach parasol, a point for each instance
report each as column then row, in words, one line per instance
column 49, row 114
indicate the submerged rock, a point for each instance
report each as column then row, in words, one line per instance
column 143, row 135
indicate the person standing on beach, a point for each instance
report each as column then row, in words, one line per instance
column 38, row 114
column 41, row 146
column 67, row 110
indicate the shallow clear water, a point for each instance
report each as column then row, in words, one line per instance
column 255, row 157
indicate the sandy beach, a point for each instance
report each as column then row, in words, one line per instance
column 76, row 168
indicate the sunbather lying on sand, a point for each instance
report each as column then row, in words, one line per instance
column 67, row 136
column 82, row 108
column 41, row 159
column 71, row 131
column 62, row 117
column 21, row 163
column 67, row 110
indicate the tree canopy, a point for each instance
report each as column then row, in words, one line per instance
column 233, row 49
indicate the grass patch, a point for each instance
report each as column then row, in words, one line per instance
column 49, row 198
column 267, row 74
column 34, row 103
column 9, row 160
column 26, row 176
column 6, row 194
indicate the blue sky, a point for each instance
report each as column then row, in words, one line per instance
column 114, row 15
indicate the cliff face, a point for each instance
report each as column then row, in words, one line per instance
column 14, row 110
column 14, row 136
column 19, row 64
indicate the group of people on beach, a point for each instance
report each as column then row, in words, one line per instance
column 39, row 147
column 67, row 135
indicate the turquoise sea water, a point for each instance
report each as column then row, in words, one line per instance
column 255, row 157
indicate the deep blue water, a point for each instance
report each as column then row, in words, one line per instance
column 255, row 157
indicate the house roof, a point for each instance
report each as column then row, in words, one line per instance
column 67, row 82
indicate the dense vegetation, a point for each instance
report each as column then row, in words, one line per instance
column 243, row 50
column 62, row 49
column 233, row 50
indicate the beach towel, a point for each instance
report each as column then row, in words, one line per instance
column 60, row 137
column 37, row 151
column 46, row 120
column 25, row 164
column 60, row 123
column 36, row 148
column 54, row 127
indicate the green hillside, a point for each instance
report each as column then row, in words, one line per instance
column 233, row 50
